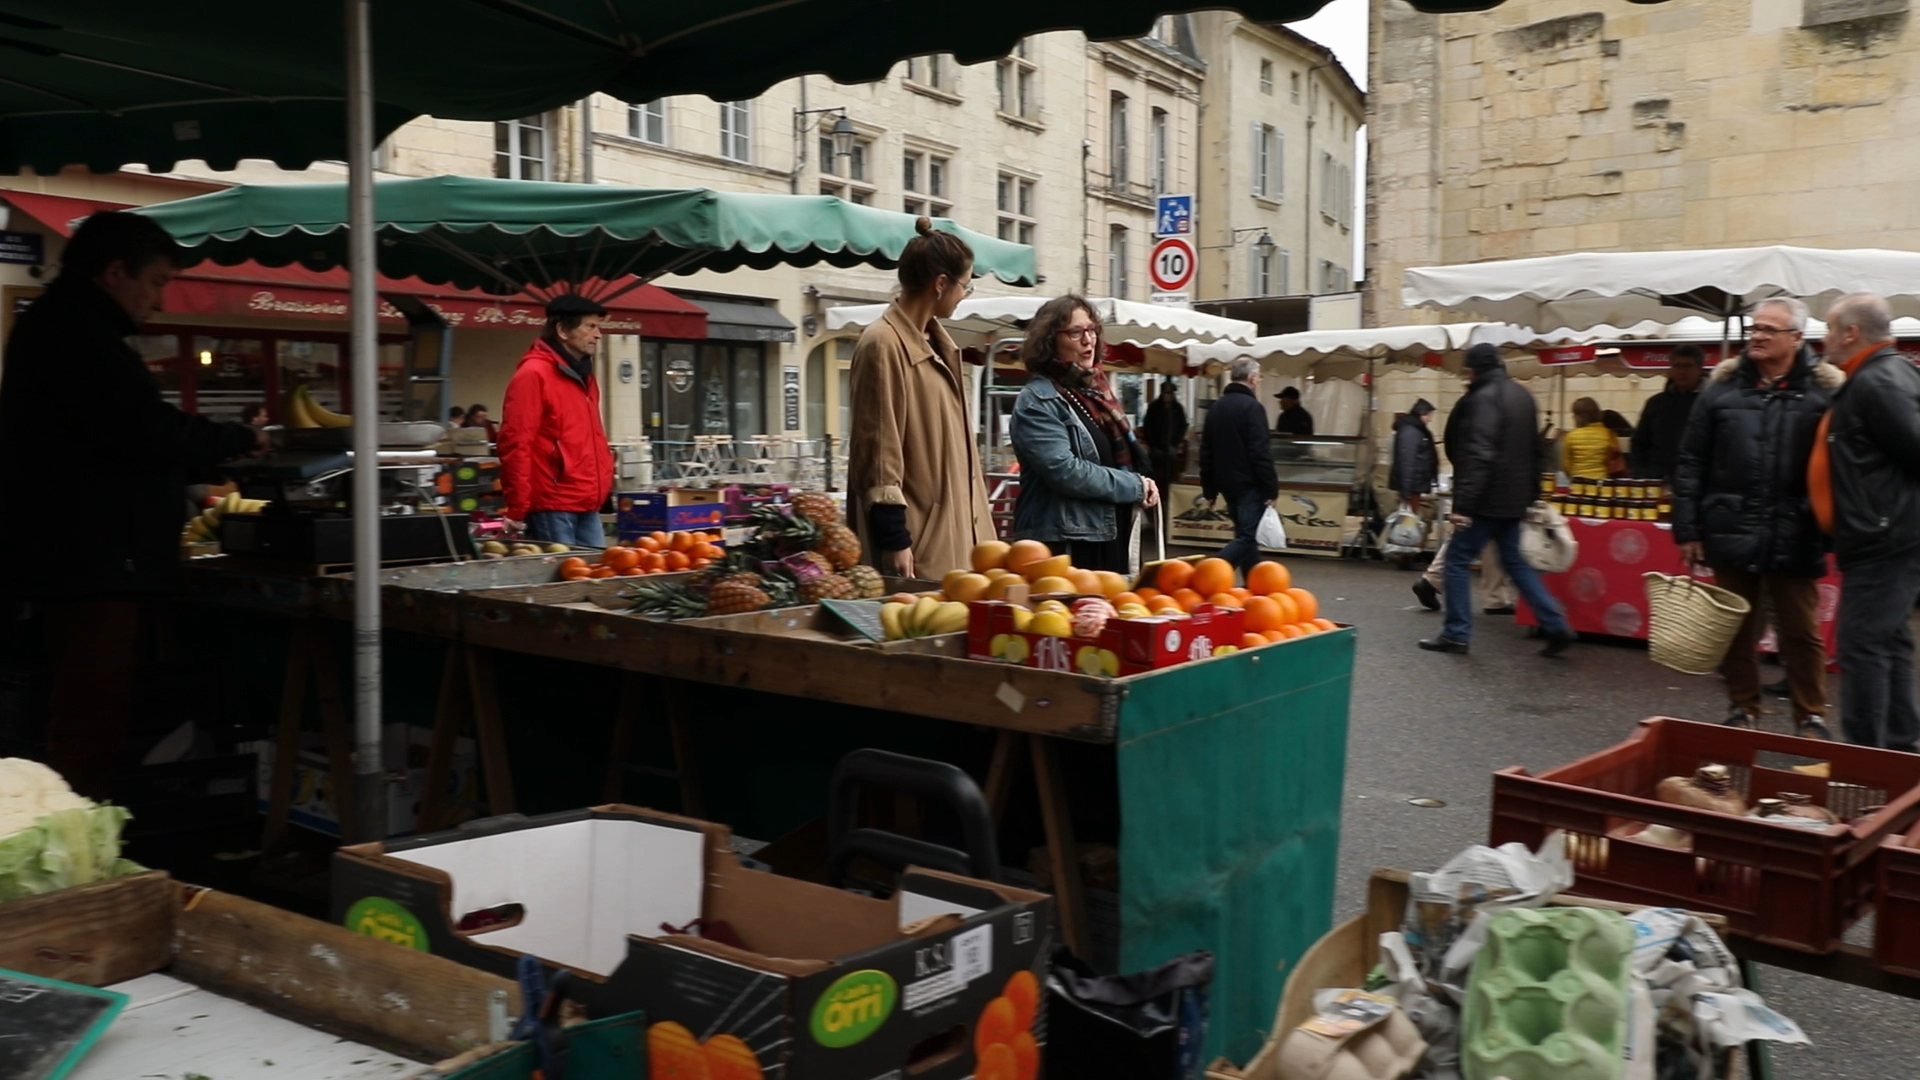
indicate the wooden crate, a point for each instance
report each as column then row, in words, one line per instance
column 106, row 932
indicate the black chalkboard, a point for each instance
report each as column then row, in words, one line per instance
column 47, row 1026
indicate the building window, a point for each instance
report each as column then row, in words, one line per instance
column 929, row 71
column 923, row 177
column 1266, row 76
column 1014, row 78
column 1269, row 158
column 1015, row 198
column 850, row 177
column 1333, row 278
column 1260, row 273
column 1117, row 141
column 1162, row 150
column 736, row 131
column 1293, row 87
column 520, row 149
column 648, row 122
column 1117, row 261
column 1283, row 272
column 1336, row 190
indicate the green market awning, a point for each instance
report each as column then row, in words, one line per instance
column 509, row 235
column 113, row 82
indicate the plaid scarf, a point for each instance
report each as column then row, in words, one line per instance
column 1091, row 391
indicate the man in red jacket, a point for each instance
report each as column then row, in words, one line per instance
column 556, row 469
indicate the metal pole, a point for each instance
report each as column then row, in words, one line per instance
column 369, row 779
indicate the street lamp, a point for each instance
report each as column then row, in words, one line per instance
column 1265, row 247
column 842, row 132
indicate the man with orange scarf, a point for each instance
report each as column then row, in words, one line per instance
column 1864, row 480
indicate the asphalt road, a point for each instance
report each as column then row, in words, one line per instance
column 1434, row 725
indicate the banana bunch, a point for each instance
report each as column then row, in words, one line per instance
column 924, row 617
column 206, row 527
column 299, row 410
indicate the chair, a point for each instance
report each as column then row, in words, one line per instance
column 931, row 781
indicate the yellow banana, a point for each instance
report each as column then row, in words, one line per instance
column 320, row 414
column 923, row 609
column 890, row 620
column 948, row 618
column 295, row 414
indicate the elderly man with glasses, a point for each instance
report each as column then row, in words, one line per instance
column 1741, row 505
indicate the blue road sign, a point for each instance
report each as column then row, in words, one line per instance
column 1174, row 216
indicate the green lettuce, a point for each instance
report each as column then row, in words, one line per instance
column 63, row 849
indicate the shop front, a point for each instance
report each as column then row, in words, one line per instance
column 716, row 386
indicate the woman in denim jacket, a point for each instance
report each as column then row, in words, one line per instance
column 1077, row 453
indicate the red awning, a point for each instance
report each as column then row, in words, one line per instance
column 294, row 292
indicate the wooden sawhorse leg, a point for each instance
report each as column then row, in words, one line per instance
column 310, row 660
column 635, row 692
column 467, row 687
column 1063, row 855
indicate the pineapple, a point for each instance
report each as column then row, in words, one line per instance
column 825, row 564
column 866, row 581
column 818, row 507
column 777, row 533
column 734, row 596
column 672, row 601
column 827, row 587
column 839, row 544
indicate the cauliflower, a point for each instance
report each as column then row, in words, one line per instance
column 51, row 838
column 29, row 791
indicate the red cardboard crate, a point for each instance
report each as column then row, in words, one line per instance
column 1896, row 905
column 1781, row 884
column 1124, row 647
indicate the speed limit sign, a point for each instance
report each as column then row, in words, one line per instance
column 1171, row 267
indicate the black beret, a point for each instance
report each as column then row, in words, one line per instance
column 573, row 304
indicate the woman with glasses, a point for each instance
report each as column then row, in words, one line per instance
column 1079, row 482
column 915, row 492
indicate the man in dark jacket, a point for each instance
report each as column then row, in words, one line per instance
column 1164, row 430
column 71, row 344
column 1293, row 420
column 1236, row 460
column 1416, row 465
column 1496, row 475
column 1656, row 441
column 1740, row 505
column 1872, row 450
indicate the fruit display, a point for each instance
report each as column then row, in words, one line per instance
column 801, row 554
column 655, row 553
column 924, row 617
column 299, row 410
column 509, row 549
column 206, row 527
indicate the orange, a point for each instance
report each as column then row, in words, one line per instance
column 572, row 563
column 1275, row 635
column 603, row 570
column 1289, row 608
column 1188, row 599
column 997, row 1061
column 1122, row 599
column 674, row 1054
column 1022, row 552
column 1173, row 575
column 1051, row 566
column 631, row 571
column 653, row 562
column 728, row 1058
column 1292, row 630
column 1053, row 585
column 575, row 573
column 1252, row 641
column 1326, row 624
column 681, row 541
column 1161, row 604
column 1263, row 614
column 1111, row 584
column 1269, row 577
column 964, row 585
column 1242, row 593
column 647, row 543
column 1309, row 607
column 1023, row 991
column 1212, row 576
column 1026, row 1055
column 696, row 564
column 1146, row 592
column 1224, row 599
column 999, row 1022
column 659, row 537
column 1086, row 581
column 677, row 560
column 620, row 558
column 990, row 555
column 997, row 588
column 1307, row 629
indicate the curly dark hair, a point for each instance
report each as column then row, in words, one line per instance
column 1047, row 323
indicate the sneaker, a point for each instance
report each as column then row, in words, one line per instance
column 1559, row 643
column 1443, row 644
column 1429, row 596
column 1813, row 727
column 1739, row 718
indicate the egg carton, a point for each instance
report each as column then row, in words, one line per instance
column 1549, row 996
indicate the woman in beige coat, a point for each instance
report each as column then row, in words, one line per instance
column 918, row 499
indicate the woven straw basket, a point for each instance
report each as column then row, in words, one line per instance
column 1691, row 623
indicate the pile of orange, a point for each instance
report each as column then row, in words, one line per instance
column 1003, row 1044
column 1276, row 610
column 655, row 553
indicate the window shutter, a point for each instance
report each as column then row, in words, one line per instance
column 1279, row 164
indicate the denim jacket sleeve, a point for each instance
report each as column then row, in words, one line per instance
column 1045, row 445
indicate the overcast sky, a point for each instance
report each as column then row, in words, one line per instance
column 1342, row 27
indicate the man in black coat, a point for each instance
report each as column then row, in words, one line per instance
column 1496, row 474
column 1740, row 505
column 1872, row 446
column 1236, row 460
column 1656, row 441
column 70, row 347
column 1415, row 464
column 1164, row 430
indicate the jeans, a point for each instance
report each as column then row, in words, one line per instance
column 1462, row 546
column 1244, row 551
column 576, row 528
column 1876, row 653
column 1796, row 617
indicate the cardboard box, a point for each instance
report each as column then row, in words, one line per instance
column 742, row 498
column 1124, row 647
column 404, row 750
column 677, row 510
column 821, row 985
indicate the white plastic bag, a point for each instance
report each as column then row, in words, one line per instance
column 1546, row 541
column 1271, row 534
column 1405, row 533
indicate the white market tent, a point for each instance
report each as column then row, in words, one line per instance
column 1622, row 289
column 983, row 319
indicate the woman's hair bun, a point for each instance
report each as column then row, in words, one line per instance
column 923, row 225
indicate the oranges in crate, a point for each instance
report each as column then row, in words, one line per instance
column 1276, row 609
column 655, row 553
